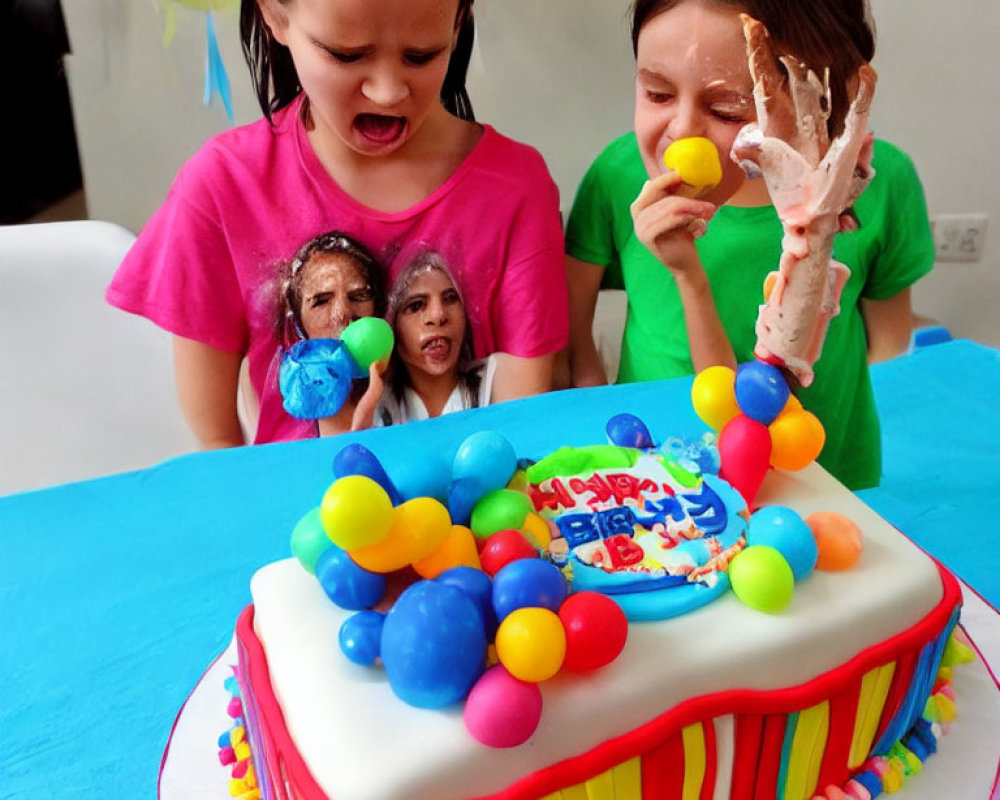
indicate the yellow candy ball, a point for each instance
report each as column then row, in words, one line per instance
column 531, row 644
column 419, row 527
column 797, row 438
column 713, row 395
column 696, row 160
column 355, row 511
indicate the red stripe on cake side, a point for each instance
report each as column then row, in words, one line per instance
column 843, row 712
column 769, row 766
column 749, row 733
column 711, row 761
column 663, row 769
column 283, row 758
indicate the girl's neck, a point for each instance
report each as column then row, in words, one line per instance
column 752, row 193
column 405, row 177
column 433, row 390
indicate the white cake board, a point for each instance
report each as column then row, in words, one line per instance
column 964, row 767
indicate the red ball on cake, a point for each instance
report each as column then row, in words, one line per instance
column 596, row 629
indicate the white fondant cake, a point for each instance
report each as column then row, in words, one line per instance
column 360, row 742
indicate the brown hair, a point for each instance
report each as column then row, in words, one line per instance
column 834, row 34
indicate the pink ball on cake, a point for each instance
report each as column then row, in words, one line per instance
column 502, row 711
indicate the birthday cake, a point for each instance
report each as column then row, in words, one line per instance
column 563, row 626
column 843, row 688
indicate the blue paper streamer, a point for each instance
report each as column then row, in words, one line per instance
column 216, row 79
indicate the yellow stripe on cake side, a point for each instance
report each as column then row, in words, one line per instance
column 808, row 745
column 874, row 691
column 695, row 761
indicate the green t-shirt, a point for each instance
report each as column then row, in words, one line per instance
column 891, row 250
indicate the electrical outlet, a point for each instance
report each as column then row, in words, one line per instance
column 959, row 237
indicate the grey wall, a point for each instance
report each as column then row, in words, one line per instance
column 556, row 74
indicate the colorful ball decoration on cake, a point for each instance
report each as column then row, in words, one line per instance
column 745, row 453
column 528, row 582
column 356, row 511
column 761, row 578
column 475, row 589
column 627, row 430
column 487, row 458
column 784, row 530
column 797, row 439
column 499, row 510
column 433, row 645
column 760, row 423
column 531, row 643
column 360, row 637
column 503, row 547
column 838, row 540
column 502, row 711
column 419, row 527
column 346, row 583
column 596, row 630
column 713, row 395
column 356, row 459
column 457, row 550
column 309, row 540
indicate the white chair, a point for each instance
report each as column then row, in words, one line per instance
column 85, row 389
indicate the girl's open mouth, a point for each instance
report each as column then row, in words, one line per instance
column 379, row 128
column 437, row 348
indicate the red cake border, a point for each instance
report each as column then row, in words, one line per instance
column 282, row 761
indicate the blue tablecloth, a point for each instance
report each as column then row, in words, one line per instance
column 116, row 594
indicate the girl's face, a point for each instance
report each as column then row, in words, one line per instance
column 692, row 79
column 334, row 293
column 372, row 70
column 430, row 324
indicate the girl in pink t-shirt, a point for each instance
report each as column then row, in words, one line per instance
column 368, row 131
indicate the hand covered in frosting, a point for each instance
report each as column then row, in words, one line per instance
column 813, row 182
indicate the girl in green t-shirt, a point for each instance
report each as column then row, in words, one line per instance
column 692, row 301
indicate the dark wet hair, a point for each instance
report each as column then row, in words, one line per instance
column 276, row 83
column 834, row 34
column 468, row 375
column 289, row 312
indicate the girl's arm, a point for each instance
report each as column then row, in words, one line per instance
column 364, row 413
column 521, row 377
column 888, row 324
column 585, row 367
column 207, row 382
column 665, row 222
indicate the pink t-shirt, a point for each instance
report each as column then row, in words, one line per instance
column 205, row 265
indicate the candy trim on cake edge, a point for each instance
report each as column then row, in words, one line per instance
column 578, row 769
